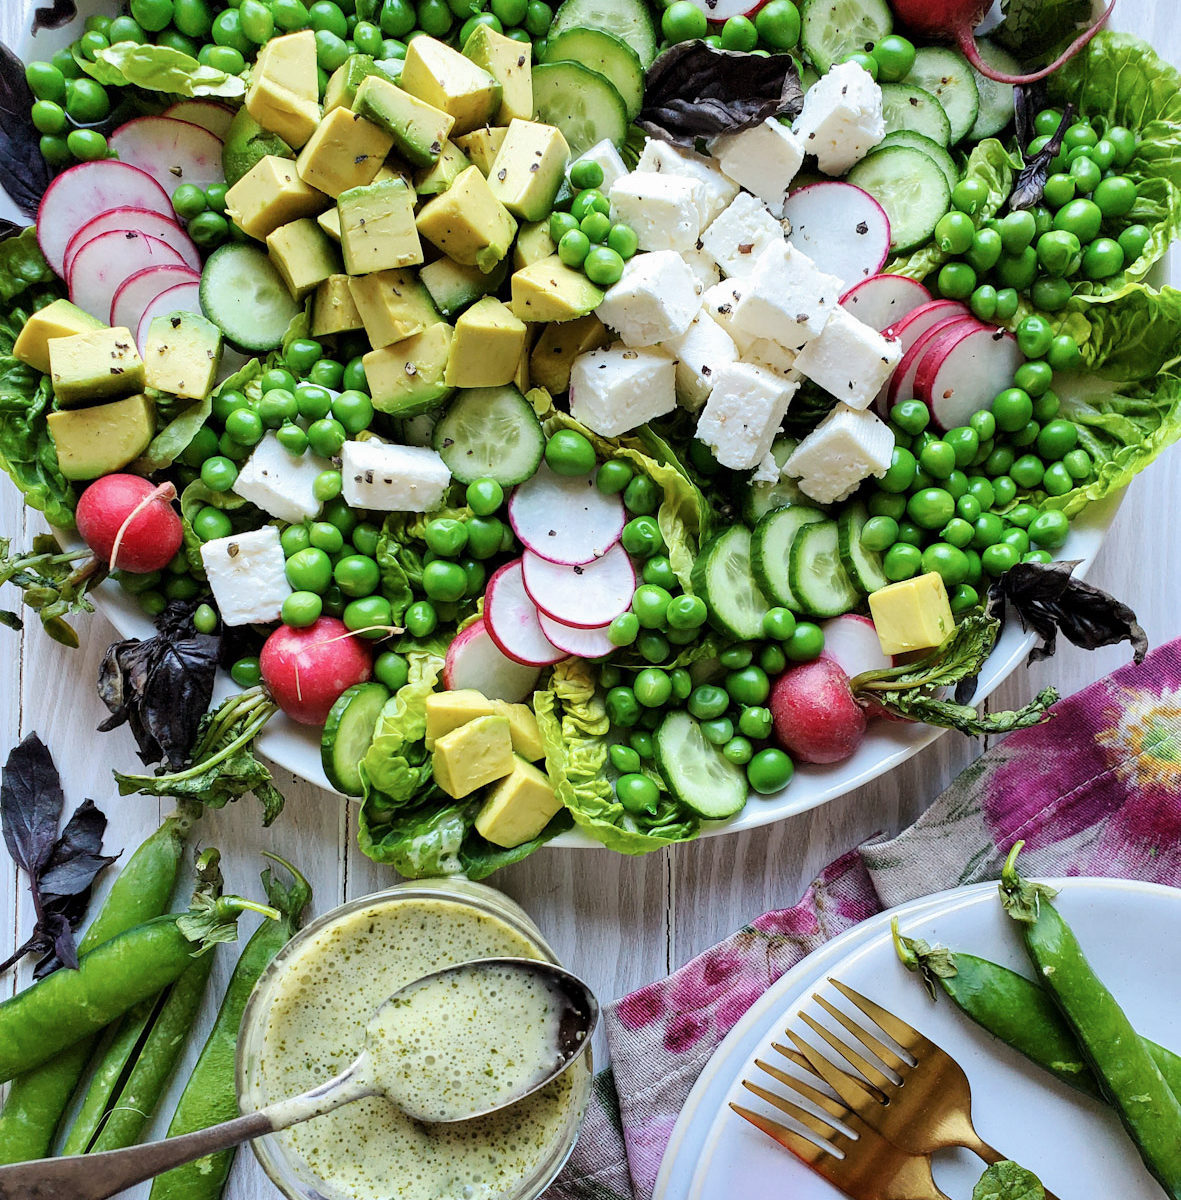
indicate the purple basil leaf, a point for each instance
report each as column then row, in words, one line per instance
column 54, row 15
column 30, row 804
column 83, row 833
column 24, row 172
column 1031, row 180
column 60, row 945
column 74, row 875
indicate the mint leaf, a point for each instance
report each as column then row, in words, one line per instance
column 1008, row 1181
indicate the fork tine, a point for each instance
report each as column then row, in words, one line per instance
column 794, row 1056
column 820, row 1127
column 855, row 1060
column 809, row 1152
column 852, row 1091
column 905, row 1035
column 867, row 1039
column 834, row 1108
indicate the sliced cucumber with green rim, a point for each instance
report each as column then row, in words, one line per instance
column 863, row 566
column 723, row 578
column 605, row 53
column 946, row 75
column 348, row 734
column 817, row 575
column 931, row 148
column 910, row 187
column 629, row 20
column 996, row 99
column 490, row 433
column 830, row 29
column 906, row 107
column 761, row 498
column 245, row 297
column 695, row 771
column 770, row 548
column 584, row 105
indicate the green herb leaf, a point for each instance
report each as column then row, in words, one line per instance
column 160, row 69
column 1022, row 898
column 1033, row 27
column 54, row 584
column 172, row 441
column 1008, row 1181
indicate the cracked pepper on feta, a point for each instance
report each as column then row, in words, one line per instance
column 849, row 445
column 282, row 484
column 664, row 210
column 848, row 359
column 743, row 414
column 739, row 234
column 614, row 390
column 247, row 575
column 764, row 160
column 655, row 299
column 841, row 121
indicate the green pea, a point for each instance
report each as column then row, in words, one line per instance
column 650, row 604
column 1018, row 539
column 658, row 570
column 309, row 570
column 210, row 523
column 603, row 266
column 653, row 646
column 1103, row 258
column 999, row 558
column 624, row 759
column 257, row 21
column 652, row 687
column 443, row 580
column 295, row 538
column 985, row 251
column 1079, row 464
column 1034, row 335
column 970, row 196
column 1027, row 471
column 958, row 531
column 989, row 529
column 370, row 617
column 778, row 25
column 45, row 81
column 748, row 686
column 1012, row 409
column 910, row 534
column 484, row 497
column 931, row 508
column 1087, row 174
column 1060, row 189
column 879, row 533
column 779, row 623
column 624, row 240
column 247, row 672
column 203, row 446
column 1017, row 230
column 982, row 302
column 568, row 452
column 956, row 280
column 613, row 476
column 968, row 507
column 218, row 473
column 223, row 58
column 735, row 658
column 1064, row 353
column 641, row 496
column 963, row 597
column 708, row 701
column 485, row 535
column 938, row 459
column 900, row 474
column 1049, row 529
column 772, row 659
column 1026, row 435
column 755, row 722
column 947, row 561
column 624, row 629
column 1017, row 271
column 359, row 575
column 912, row 416
column 48, row 117
column 1006, row 490
column 954, row 231
column 865, row 61
column 1007, row 303
column 326, row 437
column 205, row 619
column 301, row 609
column 718, row 731
column 683, row 21
column 573, row 248
column 738, row 750
column 291, row 437
column 420, row 619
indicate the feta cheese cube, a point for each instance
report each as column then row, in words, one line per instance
column 718, row 303
column 743, row 414
column 701, row 351
column 705, row 270
column 841, row 120
column 786, row 298
column 608, row 158
column 763, row 352
column 768, row 471
column 392, row 478
column 247, row 573
column 655, row 299
column 764, row 160
column 849, row 359
column 846, row 447
column 716, row 192
column 740, row 234
column 614, row 390
column 663, row 209
column 279, row 482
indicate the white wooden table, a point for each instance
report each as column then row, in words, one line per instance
column 620, row 922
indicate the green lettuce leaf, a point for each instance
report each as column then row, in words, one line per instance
column 1033, row 27
column 172, row 441
column 160, row 69
column 194, row 498
column 1133, row 333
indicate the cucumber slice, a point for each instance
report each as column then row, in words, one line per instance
column 348, row 733
column 490, row 433
column 605, row 54
column 628, row 20
column 770, row 549
column 245, row 297
column 946, row 75
column 817, row 576
column 761, row 498
column 996, row 99
column 910, row 187
column 906, row 107
column 830, row 29
column 864, row 566
column 583, row 104
column 695, row 771
column 931, row 148
column 723, row 578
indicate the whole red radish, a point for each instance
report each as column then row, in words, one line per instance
column 817, row 720
column 130, row 523
column 956, row 20
column 305, row 670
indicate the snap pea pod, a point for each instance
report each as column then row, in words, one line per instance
column 1126, row 1072
column 142, row 890
column 1016, row 1010
column 210, row 1095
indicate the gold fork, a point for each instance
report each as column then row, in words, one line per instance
column 847, row 1152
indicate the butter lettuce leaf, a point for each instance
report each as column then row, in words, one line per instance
column 1133, row 333
column 160, row 69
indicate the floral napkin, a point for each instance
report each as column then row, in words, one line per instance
column 1095, row 791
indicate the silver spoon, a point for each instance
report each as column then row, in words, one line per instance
column 97, row 1176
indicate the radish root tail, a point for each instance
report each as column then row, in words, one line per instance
column 164, row 491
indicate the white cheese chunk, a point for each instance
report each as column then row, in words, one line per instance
column 655, row 299
column 841, row 120
column 716, row 190
column 763, row 352
column 664, row 210
column 247, row 573
column 705, row 270
column 740, row 234
column 849, row 359
column 768, row 471
column 719, row 303
column 279, row 482
column 614, row 390
column 786, row 298
column 846, row 447
column 392, row 478
column 701, row 351
column 764, row 160
column 608, row 158
column 743, row 414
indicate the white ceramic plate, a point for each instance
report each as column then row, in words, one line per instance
column 1075, row 1145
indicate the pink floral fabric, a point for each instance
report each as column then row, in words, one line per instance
column 1094, row 791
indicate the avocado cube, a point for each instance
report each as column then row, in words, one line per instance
column 96, row 441
column 57, row 320
column 344, row 81
column 182, row 354
column 430, row 181
column 393, row 305
column 97, row 365
column 529, row 169
column 468, row 223
column 407, row 378
column 329, row 222
column 482, row 146
column 558, row 347
column 533, row 244
column 304, row 255
column 525, row 733
column 510, row 63
column 474, row 754
column 487, row 346
column 346, row 151
column 271, row 194
column 333, row 310
column 377, row 229
column 551, row 291
column 521, row 374
column 419, row 129
column 284, row 94
column 447, row 80
column 446, row 711
column 454, row 286
column 518, row 807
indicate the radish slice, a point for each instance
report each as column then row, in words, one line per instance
column 78, row 195
column 185, row 297
column 902, row 383
column 585, row 596
column 843, row 229
column 909, row 329
column 473, row 661
column 883, row 300
column 206, row 113
column 105, row 262
column 722, row 10
column 172, row 152
column 135, row 220
column 585, row 643
column 852, row 643
column 962, row 371
column 512, row 620
column 137, row 292
column 565, row 518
